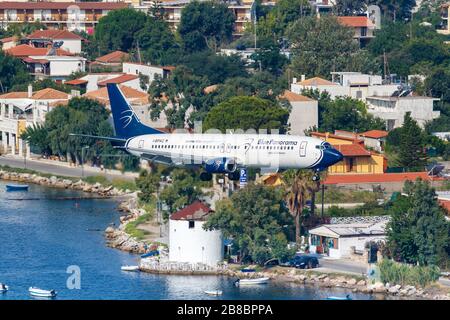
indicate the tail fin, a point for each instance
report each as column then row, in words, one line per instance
column 126, row 122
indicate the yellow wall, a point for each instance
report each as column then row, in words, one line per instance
column 367, row 165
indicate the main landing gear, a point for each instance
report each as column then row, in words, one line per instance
column 205, row 176
column 316, row 176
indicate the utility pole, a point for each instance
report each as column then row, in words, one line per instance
column 82, row 159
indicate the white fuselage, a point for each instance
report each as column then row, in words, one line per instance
column 249, row 150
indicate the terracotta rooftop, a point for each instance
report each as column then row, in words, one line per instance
column 113, row 57
column 445, row 204
column 44, row 94
column 76, row 82
column 355, row 21
column 25, row 50
column 9, row 39
column 377, row 178
column 334, row 136
column 62, row 5
column 352, row 150
column 196, row 211
column 294, row 97
column 133, row 96
column 375, row 134
column 120, row 79
column 54, row 34
column 316, row 81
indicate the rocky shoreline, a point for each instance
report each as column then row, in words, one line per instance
column 356, row 284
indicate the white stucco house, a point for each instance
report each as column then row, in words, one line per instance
column 71, row 42
column 304, row 113
column 352, row 84
column 340, row 240
column 189, row 242
column 393, row 109
column 150, row 71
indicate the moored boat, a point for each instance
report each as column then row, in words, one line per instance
column 262, row 280
column 214, row 292
column 3, row 288
column 129, row 268
column 16, row 187
column 42, row 293
column 347, row 297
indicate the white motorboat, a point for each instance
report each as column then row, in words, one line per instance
column 3, row 288
column 42, row 293
column 129, row 268
column 214, row 292
column 252, row 281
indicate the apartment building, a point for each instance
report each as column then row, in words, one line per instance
column 363, row 28
column 68, row 15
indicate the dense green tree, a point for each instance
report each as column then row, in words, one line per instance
column 37, row 136
column 216, row 68
column 288, row 11
column 350, row 7
column 299, row 186
column 411, row 148
column 438, row 85
column 206, row 24
column 418, row 231
column 396, row 9
column 246, row 113
column 42, row 84
column 12, row 72
column 148, row 184
column 255, row 218
column 184, row 189
column 268, row 57
column 157, row 42
column 345, row 113
column 118, row 30
column 320, row 46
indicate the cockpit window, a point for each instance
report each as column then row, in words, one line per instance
column 324, row 146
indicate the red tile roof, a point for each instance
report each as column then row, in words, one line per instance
column 334, row 136
column 294, row 97
column 9, row 39
column 113, row 57
column 196, row 211
column 62, row 5
column 356, row 21
column 133, row 96
column 25, row 50
column 377, row 178
column 352, row 150
column 375, row 134
column 76, row 82
column 54, row 34
column 120, row 79
column 44, row 94
column 445, row 204
column 316, row 81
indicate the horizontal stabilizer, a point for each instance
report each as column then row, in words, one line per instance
column 98, row 137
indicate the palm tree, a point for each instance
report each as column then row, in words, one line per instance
column 299, row 186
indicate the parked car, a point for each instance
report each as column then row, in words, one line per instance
column 305, row 262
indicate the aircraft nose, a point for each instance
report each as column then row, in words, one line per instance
column 330, row 157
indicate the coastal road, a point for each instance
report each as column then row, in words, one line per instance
column 341, row 266
column 62, row 169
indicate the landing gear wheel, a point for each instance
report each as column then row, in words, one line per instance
column 316, row 177
column 234, row 176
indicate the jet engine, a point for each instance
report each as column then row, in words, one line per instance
column 221, row 165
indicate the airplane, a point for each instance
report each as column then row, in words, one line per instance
column 215, row 152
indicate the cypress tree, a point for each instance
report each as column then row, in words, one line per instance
column 411, row 149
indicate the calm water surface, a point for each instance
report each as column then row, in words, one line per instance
column 41, row 235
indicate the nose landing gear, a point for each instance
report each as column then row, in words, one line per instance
column 316, row 176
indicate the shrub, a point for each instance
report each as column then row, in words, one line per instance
column 404, row 274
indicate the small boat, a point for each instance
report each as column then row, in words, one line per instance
column 252, row 281
column 150, row 254
column 347, row 297
column 42, row 293
column 248, row 270
column 16, row 187
column 3, row 288
column 214, row 292
column 129, row 268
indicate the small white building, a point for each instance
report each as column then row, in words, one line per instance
column 393, row 109
column 374, row 139
column 304, row 113
column 71, row 42
column 340, row 240
column 152, row 72
column 18, row 110
column 189, row 242
column 351, row 84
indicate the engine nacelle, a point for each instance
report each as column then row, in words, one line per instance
column 221, row 165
